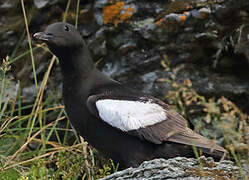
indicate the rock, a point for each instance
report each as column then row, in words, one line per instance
column 100, row 3
column 127, row 47
column 195, row 33
column 10, row 89
column 242, row 45
column 181, row 168
column 121, row 39
column 209, row 83
column 29, row 94
column 6, row 5
column 145, row 27
column 8, row 39
column 87, row 29
column 44, row 3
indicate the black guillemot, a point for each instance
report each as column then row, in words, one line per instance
column 127, row 126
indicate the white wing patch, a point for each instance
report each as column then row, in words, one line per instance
column 130, row 115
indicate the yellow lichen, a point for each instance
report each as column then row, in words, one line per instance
column 159, row 22
column 203, row 15
column 187, row 7
column 113, row 13
column 127, row 13
column 185, row 13
column 182, row 18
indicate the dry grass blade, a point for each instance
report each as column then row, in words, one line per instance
column 53, row 108
column 38, row 101
column 29, row 40
column 5, row 124
column 29, row 140
column 55, row 150
column 77, row 13
column 87, row 165
column 66, row 11
column 30, row 160
column 57, row 146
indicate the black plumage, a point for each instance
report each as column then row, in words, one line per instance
column 84, row 85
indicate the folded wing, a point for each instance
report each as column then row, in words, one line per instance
column 147, row 118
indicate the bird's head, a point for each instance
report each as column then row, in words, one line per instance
column 60, row 37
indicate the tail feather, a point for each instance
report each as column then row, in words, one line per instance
column 209, row 147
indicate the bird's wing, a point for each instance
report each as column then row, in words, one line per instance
column 147, row 118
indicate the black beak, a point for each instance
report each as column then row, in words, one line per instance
column 43, row 36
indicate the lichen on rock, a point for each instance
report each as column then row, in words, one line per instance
column 182, row 168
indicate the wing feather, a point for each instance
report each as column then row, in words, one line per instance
column 169, row 127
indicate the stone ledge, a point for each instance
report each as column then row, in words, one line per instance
column 182, row 168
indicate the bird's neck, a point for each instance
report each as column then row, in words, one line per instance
column 76, row 63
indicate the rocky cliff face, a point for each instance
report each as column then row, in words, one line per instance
column 207, row 40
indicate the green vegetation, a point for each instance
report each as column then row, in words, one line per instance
column 34, row 147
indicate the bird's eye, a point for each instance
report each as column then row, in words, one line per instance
column 66, row 28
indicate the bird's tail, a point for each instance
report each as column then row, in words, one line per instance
column 207, row 146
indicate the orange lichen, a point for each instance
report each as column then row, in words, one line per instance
column 113, row 13
column 188, row 7
column 185, row 13
column 127, row 13
column 182, row 18
column 203, row 15
column 159, row 22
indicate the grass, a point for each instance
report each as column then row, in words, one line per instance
column 52, row 156
column 33, row 145
column 29, row 40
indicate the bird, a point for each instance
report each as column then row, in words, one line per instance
column 124, row 124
